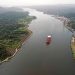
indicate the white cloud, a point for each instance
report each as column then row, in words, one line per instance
column 33, row 2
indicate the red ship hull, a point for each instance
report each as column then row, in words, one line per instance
column 48, row 41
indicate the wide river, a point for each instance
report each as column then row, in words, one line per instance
column 35, row 57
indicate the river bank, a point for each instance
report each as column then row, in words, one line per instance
column 13, row 32
column 14, row 52
column 73, row 46
column 66, row 21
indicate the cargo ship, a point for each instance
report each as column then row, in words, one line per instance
column 48, row 40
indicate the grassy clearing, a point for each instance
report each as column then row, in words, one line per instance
column 73, row 47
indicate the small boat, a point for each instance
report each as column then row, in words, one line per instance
column 48, row 41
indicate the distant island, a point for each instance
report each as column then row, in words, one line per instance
column 13, row 31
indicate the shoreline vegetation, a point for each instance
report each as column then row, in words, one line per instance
column 14, row 31
column 14, row 52
column 73, row 47
column 67, row 24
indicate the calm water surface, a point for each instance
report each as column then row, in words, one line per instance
column 35, row 57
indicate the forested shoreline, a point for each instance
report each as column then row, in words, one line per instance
column 13, row 27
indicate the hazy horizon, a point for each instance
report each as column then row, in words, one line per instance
column 9, row 3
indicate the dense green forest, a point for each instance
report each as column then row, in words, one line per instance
column 13, row 26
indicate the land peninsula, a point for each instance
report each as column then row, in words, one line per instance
column 13, row 32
